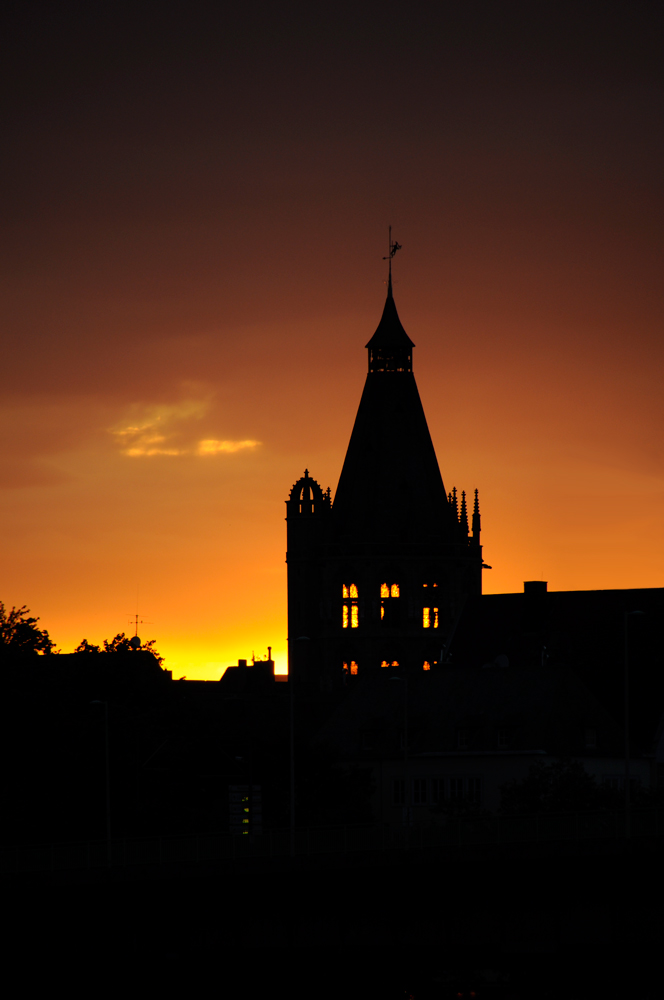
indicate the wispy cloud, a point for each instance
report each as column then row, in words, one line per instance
column 212, row 447
column 162, row 430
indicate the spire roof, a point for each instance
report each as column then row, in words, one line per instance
column 390, row 489
column 389, row 332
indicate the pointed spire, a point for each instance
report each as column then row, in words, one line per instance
column 390, row 348
column 454, row 503
column 463, row 518
column 476, row 519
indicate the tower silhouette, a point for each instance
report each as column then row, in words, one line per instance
column 379, row 577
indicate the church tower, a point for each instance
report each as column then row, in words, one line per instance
column 378, row 578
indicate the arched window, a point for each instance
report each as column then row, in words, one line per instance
column 350, row 611
column 389, row 604
column 429, row 617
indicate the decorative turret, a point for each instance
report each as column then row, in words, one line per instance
column 307, row 498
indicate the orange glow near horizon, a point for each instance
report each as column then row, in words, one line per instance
column 195, row 238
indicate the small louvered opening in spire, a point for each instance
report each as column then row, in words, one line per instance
column 390, row 348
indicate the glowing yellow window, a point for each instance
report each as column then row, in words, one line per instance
column 395, row 663
column 344, row 616
column 435, row 617
column 344, row 590
column 353, row 590
column 353, row 667
column 354, row 620
column 384, row 663
column 384, row 590
column 427, row 665
column 426, row 617
column 382, row 611
column 394, row 590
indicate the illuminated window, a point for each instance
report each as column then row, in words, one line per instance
column 353, row 667
column 426, row 617
column 384, row 663
column 389, row 613
column 350, row 612
column 427, row 665
column 435, row 617
column 395, row 663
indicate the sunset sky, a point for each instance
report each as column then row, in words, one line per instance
column 196, row 202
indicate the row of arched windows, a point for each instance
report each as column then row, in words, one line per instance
column 350, row 614
column 386, row 590
column 350, row 590
column 351, row 667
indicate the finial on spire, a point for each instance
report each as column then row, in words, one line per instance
column 476, row 519
column 393, row 247
column 463, row 516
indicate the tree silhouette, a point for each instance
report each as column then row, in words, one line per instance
column 121, row 644
column 87, row 647
column 19, row 632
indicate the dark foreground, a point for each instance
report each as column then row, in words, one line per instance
column 504, row 926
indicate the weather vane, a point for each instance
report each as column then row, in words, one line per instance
column 393, row 249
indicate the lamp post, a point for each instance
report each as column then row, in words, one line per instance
column 108, row 784
column 628, row 825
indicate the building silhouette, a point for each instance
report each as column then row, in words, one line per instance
column 379, row 576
